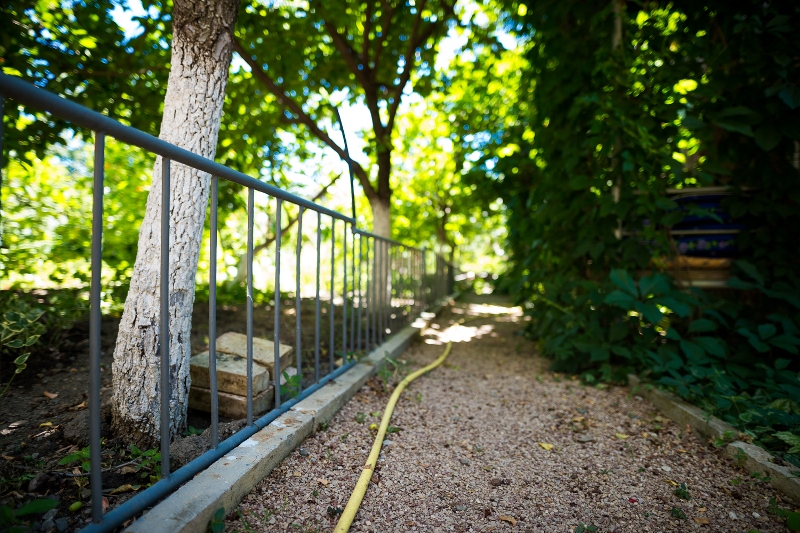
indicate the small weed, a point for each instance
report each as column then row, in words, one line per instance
column 678, row 513
column 247, row 527
column 360, row 417
column 740, row 457
column 217, row 522
column 642, row 469
column 315, row 493
column 760, row 478
column 539, row 378
column 418, row 397
column 682, row 492
column 792, row 517
column 375, row 414
column 393, row 429
column 334, row 511
column 192, row 431
column 324, row 426
column 10, row 518
column 736, row 481
column 581, row 528
column 291, row 389
column 727, row 437
column 344, row 437
column 81, row 456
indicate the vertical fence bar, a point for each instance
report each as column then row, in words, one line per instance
column 250, row 221
column 374, row 302
column 95, row 318
column 298, row 322
column 331, row 354
column 352, row 289
column 276, row 340
column 318, row 318
column 384, row 285
column 212, row 314
column 344, row 294
column 360, row 294
column 163, row 338
column 380, row 285
column 368, row 309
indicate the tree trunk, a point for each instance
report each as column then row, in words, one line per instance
column 201, row 55
column 381, row 217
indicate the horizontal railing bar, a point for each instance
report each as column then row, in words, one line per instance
column 385, row 239
column 163, row 488
column 32, row 95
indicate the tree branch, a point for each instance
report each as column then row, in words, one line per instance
column 293, row 220
column 386, row 26
column 367, row 30
column 302, row 116
column 416, row 40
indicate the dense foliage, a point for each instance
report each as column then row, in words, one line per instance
column 620, row 102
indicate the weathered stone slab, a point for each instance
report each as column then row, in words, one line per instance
column 231, row 405
column 263, row 350
column 231, row 374
column 235, row 405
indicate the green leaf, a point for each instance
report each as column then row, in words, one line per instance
column 790, row 96
column 765, row 331
column 679, row 308
column 786, row 342
column 600, row 354
column 702, row 325
column 754, row 341
column 692, row 350
column 767, row 137
column 22, row 359
column 37, row 506
column 16, row 343
column 623, row 280
column 654, row 285
column 32, row 340
column 711, row 345
column 617, row 332
column 751, row 271
column 650, row 311
column 88, row 42
column 620, row 299
column 793, row 520
column 791, row 439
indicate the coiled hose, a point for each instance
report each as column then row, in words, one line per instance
column 353, row 504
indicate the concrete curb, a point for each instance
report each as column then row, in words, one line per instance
column 748, row 456
column 226, row 482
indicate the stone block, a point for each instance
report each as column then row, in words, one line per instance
column 231, row 374
column 263, row 350
column 231, row 405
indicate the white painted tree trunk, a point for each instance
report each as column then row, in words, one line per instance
column 381, row 217
column 201, row 55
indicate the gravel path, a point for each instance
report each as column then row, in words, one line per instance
column 493, row 442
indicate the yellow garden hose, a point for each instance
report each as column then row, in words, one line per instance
column 353, row 504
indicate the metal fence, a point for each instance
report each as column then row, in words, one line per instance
column 383, row 286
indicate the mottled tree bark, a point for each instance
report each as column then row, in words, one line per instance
column 201, row 55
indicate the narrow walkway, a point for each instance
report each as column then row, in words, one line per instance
column 494, row 442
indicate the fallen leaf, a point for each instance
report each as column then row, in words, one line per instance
column 51, row 395
column 546, row 446
column 78, row 407
column 297, row 473
column 701, row 509
column 323, row 481
column 510, row 519
column 701, row 520
column 105, row 504
column 130, row 469
column 126, row 488
column 682, row 451
column 621, row 436
column 73, row 370
column 644, row 434
column 7, row 457
column 673, row 483
column 578, row 419
column 46, row 425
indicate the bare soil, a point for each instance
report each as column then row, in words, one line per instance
column 492, row 441
column 44, row 415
